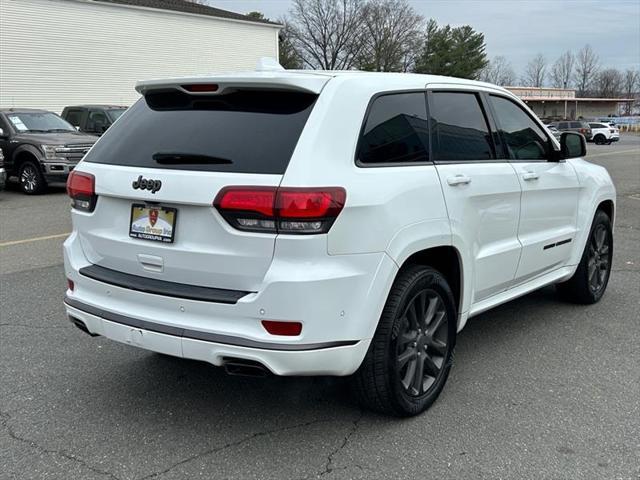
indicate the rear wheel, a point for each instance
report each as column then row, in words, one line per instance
column 31, row 180
column 410, row 356
column 599, row 139
column 592, row 275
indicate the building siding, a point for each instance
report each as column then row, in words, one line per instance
column 55, row 53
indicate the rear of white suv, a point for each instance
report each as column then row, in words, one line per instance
column 310, row 223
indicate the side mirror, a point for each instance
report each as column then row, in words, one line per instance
column 572, row 145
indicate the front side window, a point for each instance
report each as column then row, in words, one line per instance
column 74, row 117
column 395, row 130
column 524, row 139
column 459, row 128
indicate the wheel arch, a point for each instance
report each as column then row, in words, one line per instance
column 24, row 153
column 608, row 207
column 448, row 261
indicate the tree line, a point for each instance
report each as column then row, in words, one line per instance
column 582, row 71
column 390, row 36
column 376, row 35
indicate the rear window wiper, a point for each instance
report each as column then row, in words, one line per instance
column 188, row 159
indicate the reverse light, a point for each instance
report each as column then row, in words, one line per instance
column 81, row 188
column 281, row 210
column 290, row 329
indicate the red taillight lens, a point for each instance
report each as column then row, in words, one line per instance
column 81, row 187
column 281, row 210
column 310, row 203
column 201, row 87
column 291, row 329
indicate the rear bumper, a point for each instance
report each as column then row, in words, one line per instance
column 329, row 358
column 338, row 299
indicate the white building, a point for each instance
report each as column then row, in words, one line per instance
column 55, row 53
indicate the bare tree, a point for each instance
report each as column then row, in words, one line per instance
column 498, row 71
column 562, row 70
column 393, row 29
column 631, row 86
column 587, row 65
column 328, row 34
column 609, row 83
column 535, row 72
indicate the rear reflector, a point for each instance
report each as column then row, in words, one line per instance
column 70, row 284
column 201, row 87
column 282, row 328
column 281, row 210
column 81, row 188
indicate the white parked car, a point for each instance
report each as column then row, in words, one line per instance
column 328, row 223
column 604, row 133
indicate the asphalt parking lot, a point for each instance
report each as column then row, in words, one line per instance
column 540, row 389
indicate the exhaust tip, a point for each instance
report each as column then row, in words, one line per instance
column 245, row 368
column 81, row 325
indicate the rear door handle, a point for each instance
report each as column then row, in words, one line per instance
column 458, row 180
column 528, row 176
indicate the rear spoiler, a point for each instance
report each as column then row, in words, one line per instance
column 217, row 84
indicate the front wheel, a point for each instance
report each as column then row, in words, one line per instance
column 592, row 275
column 31, row 180
column 411, row 353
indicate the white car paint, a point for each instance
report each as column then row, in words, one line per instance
column 604, row 132
column 497, row 215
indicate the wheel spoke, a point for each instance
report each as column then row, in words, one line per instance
column 604, row 251
column 431, row 309
column 412, row 315
column 422, row 306
column 438, row 346
column 409, row 374
column 431, row 368
column 406, row 337
column 403, row 358
column 600, row 234
column 437, row 323
column 418, row 376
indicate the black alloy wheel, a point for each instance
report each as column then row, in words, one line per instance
column 421, row 344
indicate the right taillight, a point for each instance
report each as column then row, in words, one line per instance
column 281, row 210
column 81, row 188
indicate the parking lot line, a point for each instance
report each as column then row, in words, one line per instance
column 34, row 239
column 612, row 153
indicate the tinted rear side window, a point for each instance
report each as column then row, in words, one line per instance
column 395, row 130
column 459, row 127
column 577, row 125
column 241, row 132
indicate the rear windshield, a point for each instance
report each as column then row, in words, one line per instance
column 240, row 132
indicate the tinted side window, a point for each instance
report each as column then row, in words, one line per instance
column 74, row 117
column 577, row 125
column 524, row 139
column 395, row 130
column 458, row 127
column 563, row 125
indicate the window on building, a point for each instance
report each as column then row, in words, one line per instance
column 459, row 127
column 395, row 130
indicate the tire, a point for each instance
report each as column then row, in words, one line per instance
column 590, row 280
column 389, row 380
column 599, row 139
column 30, row 178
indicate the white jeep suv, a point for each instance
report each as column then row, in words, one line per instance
column 328, row 223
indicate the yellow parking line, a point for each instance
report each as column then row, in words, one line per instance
column 34, row 239
column 613, row 153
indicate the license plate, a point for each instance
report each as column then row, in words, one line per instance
column 153, row 223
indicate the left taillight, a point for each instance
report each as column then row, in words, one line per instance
column 281, row 210
column 81, row 188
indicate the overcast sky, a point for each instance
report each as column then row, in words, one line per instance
column 519, row 29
